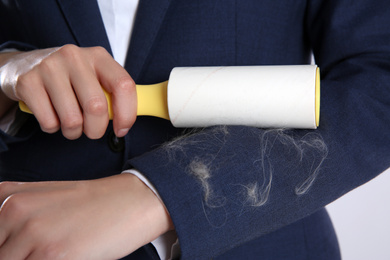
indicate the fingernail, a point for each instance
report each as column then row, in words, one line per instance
column 123, row 132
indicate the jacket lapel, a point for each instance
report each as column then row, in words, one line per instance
column 85, row 21
column 150, row 15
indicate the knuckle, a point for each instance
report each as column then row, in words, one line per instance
column 72, row 121
column 124, row 84
column 72, row 135
column 50, row 125
column 95, row 135
column 98, row 51
column 70, row 51
column 125, row 120
column 95, row 106
column 68, row 48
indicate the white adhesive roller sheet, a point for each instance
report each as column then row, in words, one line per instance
column 260, row 96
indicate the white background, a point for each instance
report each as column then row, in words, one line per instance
column 362, row 220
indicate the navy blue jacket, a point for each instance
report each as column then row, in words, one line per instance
column 263, row 199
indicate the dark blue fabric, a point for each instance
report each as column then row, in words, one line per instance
column 300, row 240
column 350, row 41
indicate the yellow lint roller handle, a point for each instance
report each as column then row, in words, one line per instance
column 152, row 101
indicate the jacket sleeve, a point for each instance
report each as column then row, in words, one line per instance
column 12, row 36
column 227, row 185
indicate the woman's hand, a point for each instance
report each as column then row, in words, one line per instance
column 63, row 88
column 100, row 219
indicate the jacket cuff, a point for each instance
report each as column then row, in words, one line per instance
column 21, row 46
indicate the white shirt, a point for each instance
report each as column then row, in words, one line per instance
column 118, row 18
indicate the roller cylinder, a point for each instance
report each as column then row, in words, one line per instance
column 260, row 96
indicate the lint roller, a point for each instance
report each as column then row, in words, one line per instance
column 285, row 96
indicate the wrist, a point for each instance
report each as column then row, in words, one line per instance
column 158, row 216
column 146, row 214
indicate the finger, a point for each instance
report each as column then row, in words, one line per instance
column 118, row 82
column 7, row 220
column 3, row 234
column 92, row 101
column 15, row 248
column 26, row 241
column 55, row 77
column 124, row 100
column 30, row 89
column 15, row 244
column 68, row 110
column 86, row 87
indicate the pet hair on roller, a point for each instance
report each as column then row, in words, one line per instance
column 286, row 96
